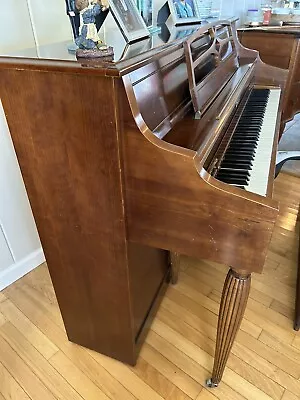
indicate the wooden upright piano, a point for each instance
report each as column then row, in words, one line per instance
column 129, row 164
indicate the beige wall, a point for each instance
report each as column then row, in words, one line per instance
column 15, row 28
column 27, row 23
column 50, row 21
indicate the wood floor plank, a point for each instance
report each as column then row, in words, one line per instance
column 126, row 377
column 29, row 330
column 24, row 376
column 203, row 358
column 273, row 356
column 189, row 366
column 38, row 364
column 164, row 387
column 199, row 272
column 249, row 368
column 282, row 309
column 296, row 342
column 289, row 396
column 170, row 313
column 175, row 375
column 203, row 313
column 80, row 382
column 110, row 386
column 206, row 395
column 281, row 347
column 9, row 388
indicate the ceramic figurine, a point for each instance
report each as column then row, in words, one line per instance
column 88, row 41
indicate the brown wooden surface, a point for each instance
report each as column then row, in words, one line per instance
column 69, row 157
column 232, row 308
column 283, row 51
column 110, row 196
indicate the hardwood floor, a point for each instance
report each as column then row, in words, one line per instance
column 37, row 362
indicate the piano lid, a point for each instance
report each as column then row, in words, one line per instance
column 123, row 52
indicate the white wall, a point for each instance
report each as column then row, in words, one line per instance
column 15, row 28
column 20, row 247
column 50, row 21
column 27, row 23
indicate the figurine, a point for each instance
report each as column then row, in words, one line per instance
column 88, row 41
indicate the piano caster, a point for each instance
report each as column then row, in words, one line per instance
column 211, row 384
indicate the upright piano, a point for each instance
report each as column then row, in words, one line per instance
column 131, row 163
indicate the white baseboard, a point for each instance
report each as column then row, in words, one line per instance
column 21, row 268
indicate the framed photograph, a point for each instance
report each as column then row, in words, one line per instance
column 184, row 11
column 129, row 19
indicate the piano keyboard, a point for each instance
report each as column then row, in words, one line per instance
column 246, row 163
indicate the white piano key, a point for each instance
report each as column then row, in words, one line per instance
column 259, row 173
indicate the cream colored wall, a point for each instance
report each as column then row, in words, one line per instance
column 50, row 21
column 15, row 28
column 27, row 23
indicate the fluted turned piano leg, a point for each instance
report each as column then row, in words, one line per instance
column 175, row 265
column 232, row 308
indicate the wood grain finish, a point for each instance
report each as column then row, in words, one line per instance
column 280, row 50
column 232, row 308
column 116, row 179
column 69, row 157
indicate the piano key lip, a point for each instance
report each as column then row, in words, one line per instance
column 267, row 201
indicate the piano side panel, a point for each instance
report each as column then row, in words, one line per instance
column 67, row 146
column 170, row 206
column 148, row 272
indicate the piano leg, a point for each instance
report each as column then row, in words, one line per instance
column 175, row 265
column 232, row 308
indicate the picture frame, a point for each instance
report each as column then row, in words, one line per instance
column 145, row 8
column 136, row 48
column 129, row 19
column 184, row 12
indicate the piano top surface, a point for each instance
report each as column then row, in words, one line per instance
column 125, row 54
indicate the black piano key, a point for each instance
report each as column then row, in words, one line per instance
column 240, row 150
column 239, row 156
column 233, row 175
column 244, row 140
column 236, row 164
column 233, row 169
column 235, row 181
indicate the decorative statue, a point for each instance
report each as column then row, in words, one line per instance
column 88, row 41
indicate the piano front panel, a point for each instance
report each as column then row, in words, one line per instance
column 170, row 206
